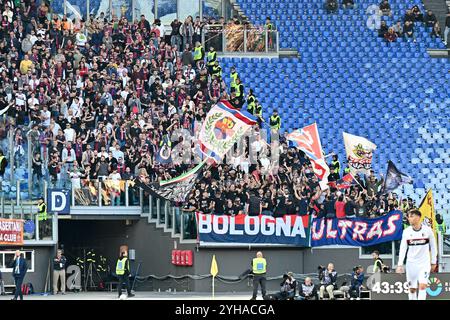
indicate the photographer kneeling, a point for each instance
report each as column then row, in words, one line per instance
column 288, row 287
column 356, row 283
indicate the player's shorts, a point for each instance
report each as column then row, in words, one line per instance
column 417, row 273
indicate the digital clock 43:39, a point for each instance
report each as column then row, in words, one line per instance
column 386, row 287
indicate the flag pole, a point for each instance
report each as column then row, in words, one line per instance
column 213, row 287
column 356, row 180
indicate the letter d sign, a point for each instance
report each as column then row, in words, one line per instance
column 58, row 201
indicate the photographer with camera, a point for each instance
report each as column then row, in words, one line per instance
column 307, row 290
column 328, row 278
column 357, row 281
column 288, row 287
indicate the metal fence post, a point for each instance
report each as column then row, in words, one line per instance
column 158, row 210
column 126, row 194
column 17, row 192
column 11, row 154
column 99, row 193
column 30, row 164
column 245, row 39
column 36, row 218
column 267, row 40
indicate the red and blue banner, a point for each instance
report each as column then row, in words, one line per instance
column 344, row 183
column 222, row 230
column 358, row 232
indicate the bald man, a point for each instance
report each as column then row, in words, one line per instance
column 259, row 268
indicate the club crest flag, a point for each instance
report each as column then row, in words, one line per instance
column 307, row 139
column 359, row 153
column 223, row 127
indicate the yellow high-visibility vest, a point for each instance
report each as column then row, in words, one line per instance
column 198, row 53
column 259, row 265
column 121, row 266
column 42, row 212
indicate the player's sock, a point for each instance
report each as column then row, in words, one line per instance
column 422, row 295
column 412, row 296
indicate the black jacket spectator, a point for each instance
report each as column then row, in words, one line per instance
column 383, row 29
column 430, row 19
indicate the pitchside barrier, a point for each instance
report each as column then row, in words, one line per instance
column 393, row 286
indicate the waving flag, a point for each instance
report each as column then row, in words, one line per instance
column 344, row 183
column 176, row 189
column 223, row 127
column 164, row 154
column 394, row 178
column 307, row 139
column 426, row 208
column 359, row 153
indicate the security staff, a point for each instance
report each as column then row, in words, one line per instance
column 259, row 269
column 346, row 170
column 251, row 102
column 123, row 273
column 199, row 55
column 216, row 71
column 42, row 218
column 335, row 168
column 275, row 121
column 440, row 224
column 239, row 92
column 270, row 28
column 378, row 265
column 211, row 59
column 234, row 75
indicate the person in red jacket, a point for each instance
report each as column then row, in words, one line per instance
column 390, row 36
column 340, row 206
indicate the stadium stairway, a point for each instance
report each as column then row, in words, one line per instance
column 440, row 9
column 349, row 79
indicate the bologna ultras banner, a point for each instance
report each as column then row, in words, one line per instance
column 357, row 231
column 247, row 230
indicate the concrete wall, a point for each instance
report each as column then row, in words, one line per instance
column 153, row 248
column 42, row 256
column 233, row 262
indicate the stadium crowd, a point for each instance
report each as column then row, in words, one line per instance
column 99, row 98
column 406, row 28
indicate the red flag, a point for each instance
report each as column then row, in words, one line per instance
column 345, row 182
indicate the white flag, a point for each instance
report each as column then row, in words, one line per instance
column 359, row 153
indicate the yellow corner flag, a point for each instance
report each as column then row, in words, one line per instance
column 214, row 269
column 426, row 208
column 214, row 272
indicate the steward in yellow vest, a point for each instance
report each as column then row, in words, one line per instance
column 42, row 210
column 234, row 75
column 123, row 273
column 275, row 121
column 216, row 71
column 211, row 59
column 259, row 269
